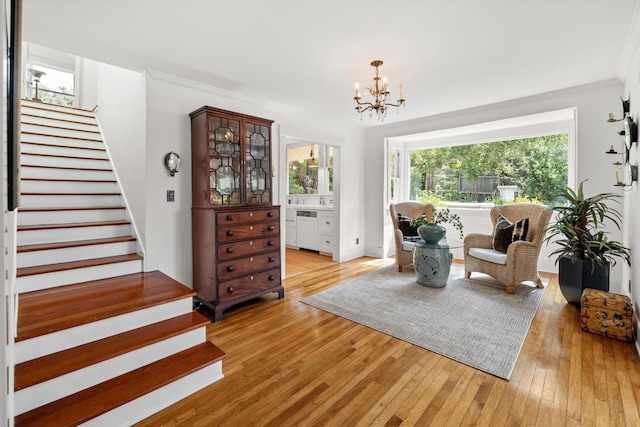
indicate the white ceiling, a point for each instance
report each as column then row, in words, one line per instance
column 305, row 55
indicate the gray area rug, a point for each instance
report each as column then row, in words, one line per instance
column 473, row 321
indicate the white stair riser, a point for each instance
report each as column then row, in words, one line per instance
column 78, row 275
column 69, row 201
column 57, row 115
column 65, row 162
column 62, row 141
column 147, row 405
column 64, row 122
column 63, row 151
column 29, row 186
column 59, row 387
column 56, row 256
column 52, row 173
column 73, row 337
column 59, row 217
column 30, row 106
column 33, row 237
column 26, row 127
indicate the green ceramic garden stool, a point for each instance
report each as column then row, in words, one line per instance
column 432, row 262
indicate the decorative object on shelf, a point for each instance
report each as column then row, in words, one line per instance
column 632, row 174
column 431, row 230
column 380, row 93
column 630, row 133
column 37, row 75
column 626, row 104
column 172, row 162
column 585, row 253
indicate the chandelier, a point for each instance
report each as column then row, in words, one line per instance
column 380, row 94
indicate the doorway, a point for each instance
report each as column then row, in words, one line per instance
column 314, row 168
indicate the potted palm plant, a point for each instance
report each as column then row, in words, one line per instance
column 585, row 254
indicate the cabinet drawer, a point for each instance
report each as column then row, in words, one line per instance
column 249, row 216
column 326, row 243
column 247, row 285
column 239, row 267
column 231, row 250
column 247, row 231
column 325, row 222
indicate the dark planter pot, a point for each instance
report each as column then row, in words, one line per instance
column 575, row 276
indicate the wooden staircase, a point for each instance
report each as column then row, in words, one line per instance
column 99, row 341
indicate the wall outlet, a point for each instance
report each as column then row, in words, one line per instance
column 171, row 196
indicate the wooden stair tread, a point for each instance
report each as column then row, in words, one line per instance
column 64, row 362
column 72, row 225
column 74, row 244
column 97, row 400
column 26, row 165
column 60, row 136
column 60, row 156
column 110, row 181
column 49, row 193
column 73, row 265
column 59, row 127
column 74, row 147
column 55, row 309
column 66, row 208
column 58, row 119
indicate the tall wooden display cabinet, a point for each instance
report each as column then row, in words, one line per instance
column 235, row 226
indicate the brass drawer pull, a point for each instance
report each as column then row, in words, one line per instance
column 229, row 250
column 271, row 259
column 271, row 228
column 272, row 278
column 229, row 217
column 270, row 214
column 271, row 243
column 229, row 233
column 230, row 289
column 230, row 268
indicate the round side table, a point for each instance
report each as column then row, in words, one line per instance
column 432, row 262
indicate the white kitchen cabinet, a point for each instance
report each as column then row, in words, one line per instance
column 290, row 223
column 325, row 231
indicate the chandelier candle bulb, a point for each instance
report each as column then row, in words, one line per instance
column 617, row 178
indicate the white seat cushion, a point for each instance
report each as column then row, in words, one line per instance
column 408, row 246
column 490, row 255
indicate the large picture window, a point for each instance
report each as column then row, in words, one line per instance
column 531, row 169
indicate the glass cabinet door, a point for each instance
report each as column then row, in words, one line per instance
column 258, row 163
column 224, row 161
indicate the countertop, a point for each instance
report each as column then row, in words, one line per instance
column 311, row 207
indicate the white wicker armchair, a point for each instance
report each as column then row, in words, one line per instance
column 404, row 250
column 520, row 263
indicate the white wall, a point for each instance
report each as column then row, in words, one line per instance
column 168, row 225
column 632, row 195
column 120, row 96
column 594, row 136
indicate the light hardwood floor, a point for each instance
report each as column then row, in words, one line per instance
column 289, row 364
